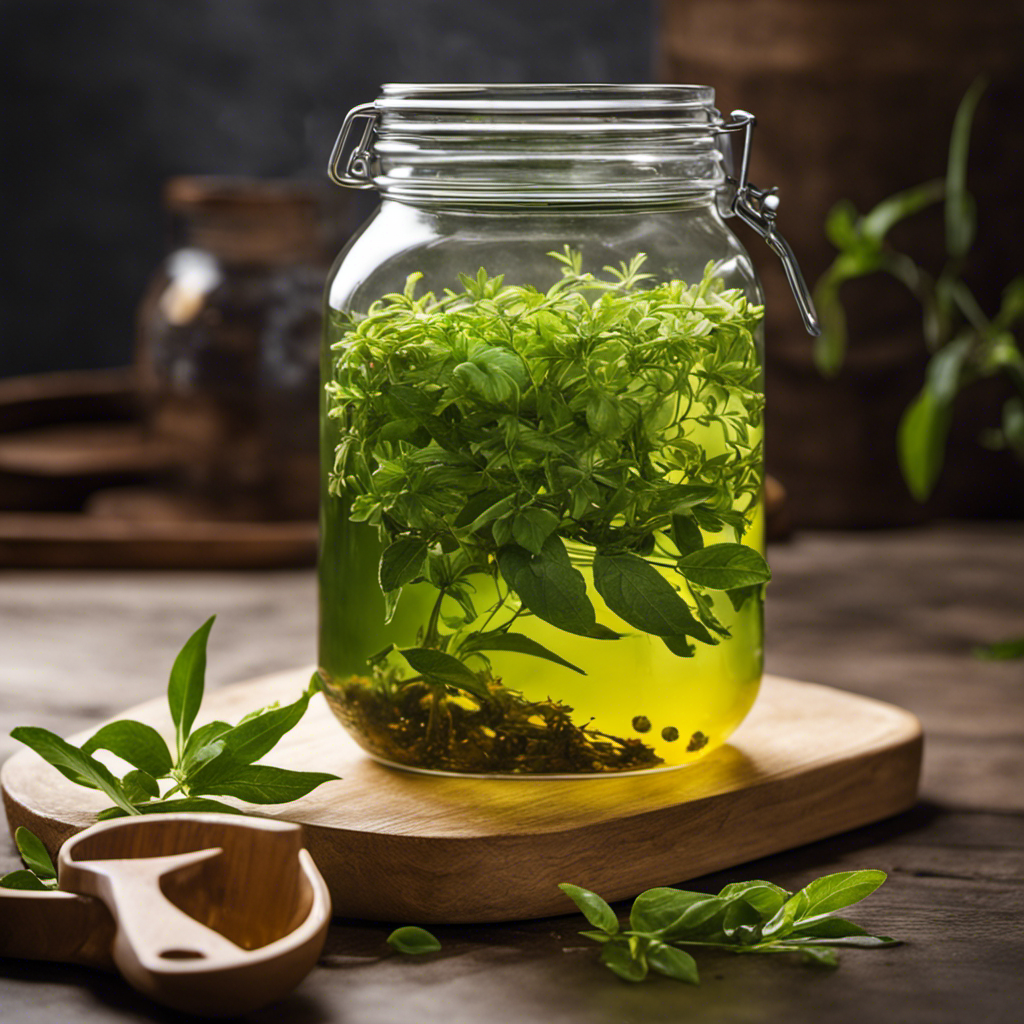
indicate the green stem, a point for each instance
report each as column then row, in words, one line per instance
column 431, row 637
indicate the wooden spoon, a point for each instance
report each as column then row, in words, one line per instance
column 213, row 914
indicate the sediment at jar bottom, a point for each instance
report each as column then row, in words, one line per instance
column 417, row 726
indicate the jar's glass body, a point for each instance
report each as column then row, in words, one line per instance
column 541, row 447
column 639, row 706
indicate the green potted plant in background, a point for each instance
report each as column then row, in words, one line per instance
column 965, row 343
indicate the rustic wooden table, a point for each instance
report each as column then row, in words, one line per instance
column 892, row 615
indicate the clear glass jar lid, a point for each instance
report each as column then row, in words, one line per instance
column 547, row 145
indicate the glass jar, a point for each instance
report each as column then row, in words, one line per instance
column 229, row 331
column 541, row 432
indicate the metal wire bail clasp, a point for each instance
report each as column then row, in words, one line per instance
column 758, row 207
column 356, row 173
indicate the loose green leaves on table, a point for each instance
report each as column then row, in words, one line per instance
column 39, row 874
column 745, row 917
column 413, row 940
column 216, row 759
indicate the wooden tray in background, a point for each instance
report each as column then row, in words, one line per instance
column 808, row 762
column 68, row 440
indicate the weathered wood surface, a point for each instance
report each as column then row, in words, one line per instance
column 891, row 615
column 810, row 761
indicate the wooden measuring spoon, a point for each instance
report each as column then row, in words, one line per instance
column 213, row 914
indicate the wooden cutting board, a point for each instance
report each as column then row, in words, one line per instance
column 809, row 761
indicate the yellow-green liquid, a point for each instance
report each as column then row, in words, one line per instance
column 634, row 687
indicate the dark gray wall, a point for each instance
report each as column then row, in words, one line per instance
column 108, row 98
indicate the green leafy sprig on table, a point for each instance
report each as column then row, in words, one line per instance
column 745, row 917
column 966, row 344
column 518, row 434
column 39, row 874
column 217, row 759
column 413, row 940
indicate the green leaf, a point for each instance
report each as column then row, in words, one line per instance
column 960, row 220
column 1013, row 425
column 781, row 923
column 841, row 225
column 516, row 643
column 140, row 786
column 22, row 879
column 185, row 689
column 1004, row 650
column 680, row 646
column 658, row 911
column 197, row 746
column 413, row 941
column 483, row 509
column 741, row 595
column 619, row 959
column 827, row 928
column 921, row 442
column 401, row 562
column 819, row 956
column 33, row 853
column 855, row 941
column 838, row 932
column 889, row 212
column 701, row 919
column 830, row 345
column 257, row 735
column 842, row 889
column 640, row 595
column 549, row 586
column 725, row 567
column 741, row 918
column 593, row 908
column 192, row 804
column 597, row 936
column 672, row 962
column 532, row 527
column 686, row 534
column 605, row 416
column 73, row 763
column 138, row 744
column 443, row 667
column 257, row 783
column 764, row 897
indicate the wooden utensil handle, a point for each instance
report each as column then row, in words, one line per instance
column 153, row 935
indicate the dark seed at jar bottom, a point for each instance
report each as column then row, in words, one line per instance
column 698, row 741
column 670, row 734
column 642, row 723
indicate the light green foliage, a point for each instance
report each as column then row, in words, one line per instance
column 966, row 344
column 483, row 430
column 215, row 759
column 745, row 917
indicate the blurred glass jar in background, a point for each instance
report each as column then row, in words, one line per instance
column 228, row 344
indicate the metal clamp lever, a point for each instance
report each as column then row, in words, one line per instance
column 356, row 173
column 758, row 208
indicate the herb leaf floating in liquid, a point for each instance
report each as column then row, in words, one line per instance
column 502, row 439
column 217, row 759
column 745, row 917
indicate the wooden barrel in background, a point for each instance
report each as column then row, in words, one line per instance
column 856, row 100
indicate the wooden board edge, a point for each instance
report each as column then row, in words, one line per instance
column 429, row 878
